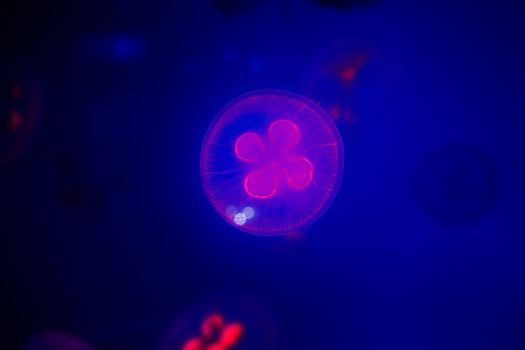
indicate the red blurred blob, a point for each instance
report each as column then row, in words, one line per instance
column 16, row 92
column 14, row 121
column 349, row 69
column 20, row 107
column 245, row 325
column 231, row 334
column 193, row 344
column 332, row 84
column 215, row 335
column 211, row 325
column 340, row 114
column 348, row 74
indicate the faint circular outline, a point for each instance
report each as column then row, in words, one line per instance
column 452, row 155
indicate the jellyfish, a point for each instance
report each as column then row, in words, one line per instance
column 20, row 107
column 53, row 340
column 456, row 184
column 332, row 80
column 225, row 322
column 271, row 162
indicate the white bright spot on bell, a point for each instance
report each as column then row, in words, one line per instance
column 249, row 212
column 239, row 219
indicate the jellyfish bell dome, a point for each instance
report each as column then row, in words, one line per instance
column 271, row 162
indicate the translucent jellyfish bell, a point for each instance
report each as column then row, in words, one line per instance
column 21, row 96
column 271, row 162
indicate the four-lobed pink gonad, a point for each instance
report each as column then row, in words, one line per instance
column 275, row 161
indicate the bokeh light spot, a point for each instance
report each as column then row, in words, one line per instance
column 249, row 212
column 239, row 219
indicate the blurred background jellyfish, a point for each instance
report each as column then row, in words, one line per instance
column 271, row 162
column 456, row 184
column 347, row 77
column 116, row 48
column 235, row 7
column 53, row 340
column 222, row 323
column 331, row 81
column 20, row 108
column 345, row 4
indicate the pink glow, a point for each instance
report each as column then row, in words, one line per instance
column 299, row 173
column 216, row 334
column 284, row 134
column 348, row 74
column 212, row 324
column 193, row 344
column 276, row 163
column 231, row 334
column 15, row 121
column 261, row 183
column 249, row 147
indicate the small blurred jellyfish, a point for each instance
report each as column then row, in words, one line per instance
column 124, row 4
column 73, row 186
column 229, row 55
column 21, row 98
column 235, row 7
column 79, row 191
column 222, row 323
column 239, row 60
column 456, row 184
column 346, row 4
column 331, row 80
column 53, row 340
column 256, row 65
column 271, row 162
column 111, row 48
column 347, row 77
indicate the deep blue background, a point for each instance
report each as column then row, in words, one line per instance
column 130, row 88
